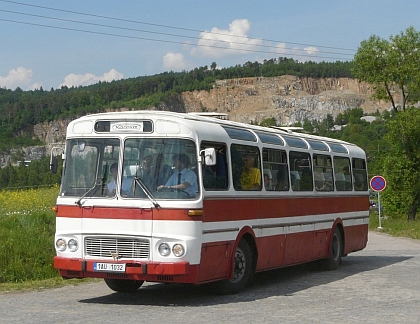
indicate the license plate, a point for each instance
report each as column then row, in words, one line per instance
column 109, row 267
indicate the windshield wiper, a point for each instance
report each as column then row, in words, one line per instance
column 147, row 192
column 91, row 191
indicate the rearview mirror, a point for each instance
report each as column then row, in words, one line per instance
column 53, row 164
column 81, row 146
column 209, row 155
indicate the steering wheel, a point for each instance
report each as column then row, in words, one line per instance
column 166, row 189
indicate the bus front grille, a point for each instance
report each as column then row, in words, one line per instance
column 120, row 247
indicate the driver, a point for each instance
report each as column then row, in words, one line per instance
column 182, row 179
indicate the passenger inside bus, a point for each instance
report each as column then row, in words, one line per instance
column 251, row 176
column 162, row 171
column 268, row 180
column 147, row 171
column 282, row 178
column 182, row 179
column 126, row 183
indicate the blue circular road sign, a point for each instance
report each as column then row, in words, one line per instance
column 378, row 183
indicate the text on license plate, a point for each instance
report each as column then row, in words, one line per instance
column 109, row 267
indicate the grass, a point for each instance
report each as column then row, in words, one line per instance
column 27, row 227
column 38, row 285
column 27, row 247
column 395, row 227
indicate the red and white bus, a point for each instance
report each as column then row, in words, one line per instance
column 249, row 199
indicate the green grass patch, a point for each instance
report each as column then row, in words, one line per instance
column 27, row 247
column 27, row 227
column 37, row 285
column 395, row 227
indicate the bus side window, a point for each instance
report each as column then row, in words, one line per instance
column 215, row 177
column 342, row 174
column 275, row 164
column 246, row 167
column 301, row 171
column 360, row 175
column 323, row 172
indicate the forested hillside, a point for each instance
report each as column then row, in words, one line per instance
column 20, row 109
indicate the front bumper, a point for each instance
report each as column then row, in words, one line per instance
column 181, row 272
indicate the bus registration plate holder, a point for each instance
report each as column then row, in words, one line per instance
column 108, row 267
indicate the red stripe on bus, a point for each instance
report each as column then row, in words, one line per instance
column 124, row 213
column 104, row 212
column 216, row 210
column 242, row 209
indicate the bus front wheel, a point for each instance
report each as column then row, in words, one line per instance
column 123, row 286
column 335, row 251
column 242, row 270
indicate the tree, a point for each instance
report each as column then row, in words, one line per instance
column 390, row 65
column 213, row 67
column 267, row 122
column 402, row 164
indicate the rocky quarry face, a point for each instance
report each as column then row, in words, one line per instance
column 288, row 99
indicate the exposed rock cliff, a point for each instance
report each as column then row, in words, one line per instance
column 51, row 133
column 288, row 99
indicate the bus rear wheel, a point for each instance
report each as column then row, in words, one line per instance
column 123, row 286
column 242, row 270
column 336, row 252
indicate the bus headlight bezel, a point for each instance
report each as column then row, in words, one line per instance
column 61, row 245
column 164, row 249
column 178, row 250
column 73, row 245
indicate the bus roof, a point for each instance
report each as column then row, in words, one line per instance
column 210, row 118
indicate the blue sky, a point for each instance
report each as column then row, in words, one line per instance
column 82, row 42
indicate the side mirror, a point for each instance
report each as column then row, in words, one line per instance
column 53, row 164
column 209, row 156
column 81, row 146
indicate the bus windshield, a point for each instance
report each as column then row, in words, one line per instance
column 165, row 168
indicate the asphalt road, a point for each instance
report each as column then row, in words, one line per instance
column 380, row 284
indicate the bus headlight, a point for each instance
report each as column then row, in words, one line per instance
column 164, row 249
column 61, row 245
column 73, row 245
column 178, row 250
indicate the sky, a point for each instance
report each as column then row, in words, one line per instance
column 50, row 44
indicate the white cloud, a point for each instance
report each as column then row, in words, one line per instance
column 311, row 50
column 224, row 42
column 281, row 48
column 20, row 77
column 174, row 61
column 89, row 78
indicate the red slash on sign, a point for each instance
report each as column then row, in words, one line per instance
column 378, row 183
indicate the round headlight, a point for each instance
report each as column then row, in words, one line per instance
column 164, row 249
column 73, row 245
column 60, row 245
column 178, row 250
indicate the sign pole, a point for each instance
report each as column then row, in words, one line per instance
column 378, row 183
column 379, row 210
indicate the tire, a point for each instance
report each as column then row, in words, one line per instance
column 335, row 252
column 242, row 271
column 123, row 286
